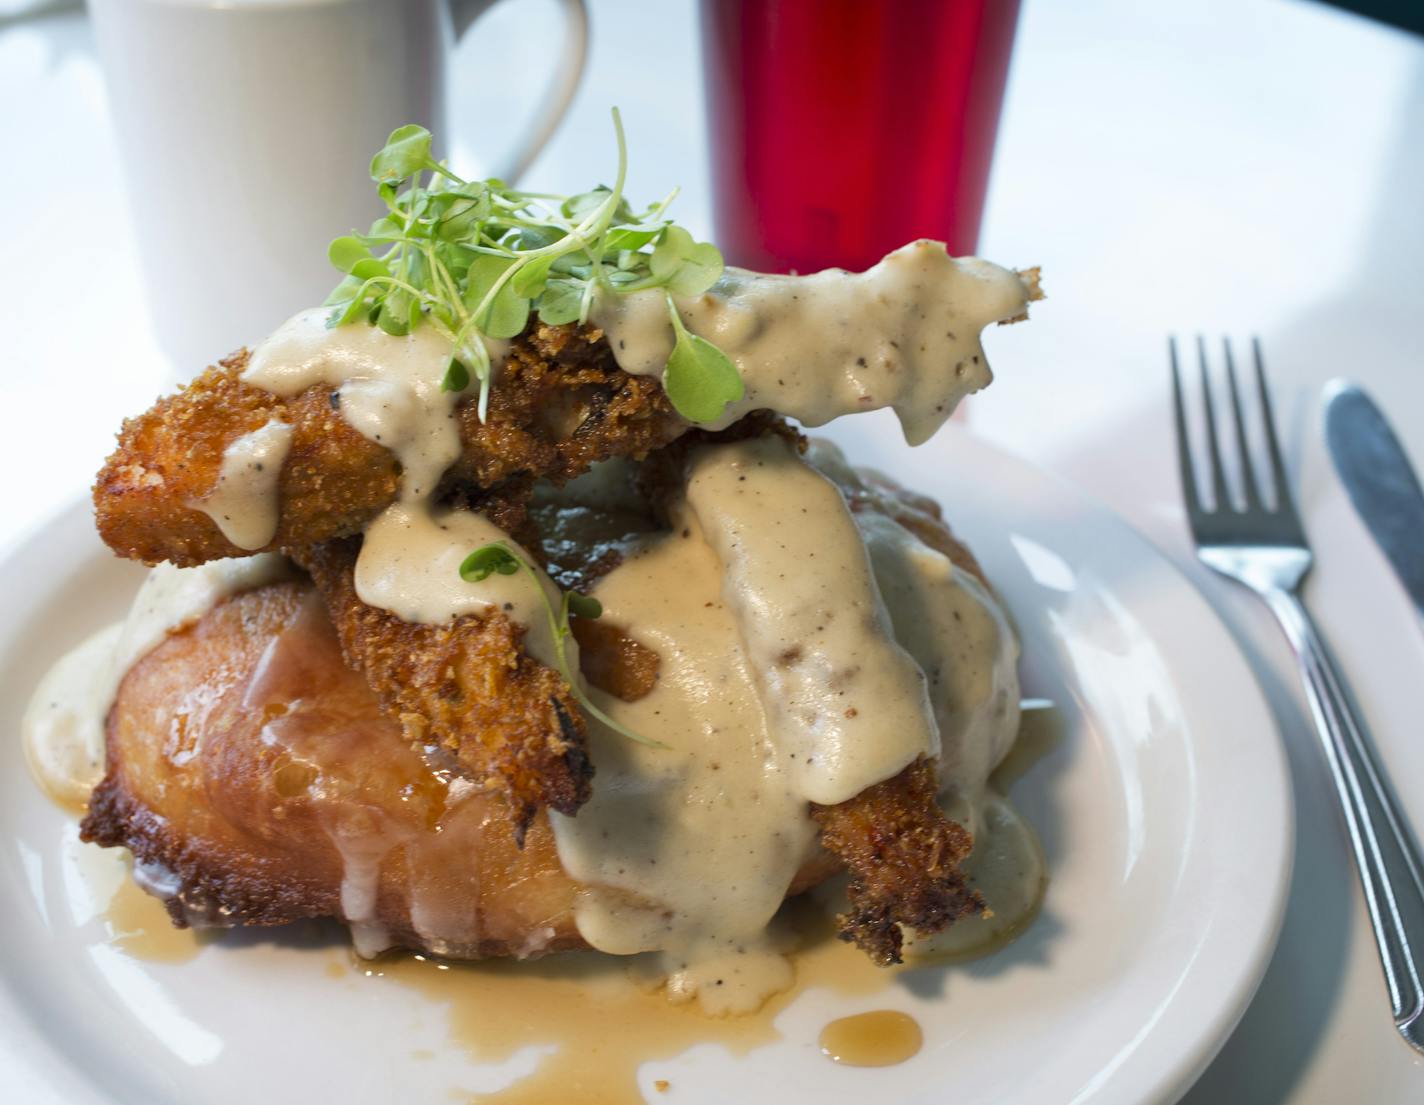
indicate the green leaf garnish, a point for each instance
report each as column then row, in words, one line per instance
column 561, row 302
column 685, row 267
column 346, row 252
column 475, row 259
column 487, row 559
column 531, row 279
column 700, row 380
column 457, row 378
column 405, row 153
column 489, row 291
column 500, row 557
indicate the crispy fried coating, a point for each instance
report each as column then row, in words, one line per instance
column 333, row 482
column 904, row 858
column 258, row 781
column 468, row 686
column 903, row 853
column 561, row 404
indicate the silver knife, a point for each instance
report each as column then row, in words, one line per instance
column 1375, row 471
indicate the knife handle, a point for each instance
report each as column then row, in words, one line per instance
column 1385, row 857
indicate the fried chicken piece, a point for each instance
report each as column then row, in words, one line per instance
column 562, row 403
column 257, row 781
column 903, row 853
column 613, row 661
column 904, row 858
column 468, row 686
column 333, row 482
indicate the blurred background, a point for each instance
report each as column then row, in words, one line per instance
column 1230, row 166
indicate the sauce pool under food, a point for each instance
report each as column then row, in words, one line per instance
column 880, row 1038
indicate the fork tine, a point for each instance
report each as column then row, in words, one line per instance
column 1248, row 470
column 1219, row 490
column 1184, row 452
column 1281, row 490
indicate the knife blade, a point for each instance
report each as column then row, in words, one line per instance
column 1376, row 472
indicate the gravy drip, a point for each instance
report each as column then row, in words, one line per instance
column 947, row 620
column 688, row 850
column 63, row 726
column 244, row 504
column 388, row 389
column 773, row 623
column 848, row 705
column 902, row 334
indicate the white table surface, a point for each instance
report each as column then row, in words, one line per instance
column 1234, row 166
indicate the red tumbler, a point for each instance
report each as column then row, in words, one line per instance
column 842, row 129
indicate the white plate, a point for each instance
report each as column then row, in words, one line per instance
column 1163, row 809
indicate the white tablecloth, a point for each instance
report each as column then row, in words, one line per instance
column 1226, row 166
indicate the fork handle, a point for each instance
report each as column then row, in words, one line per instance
column 1385, row 857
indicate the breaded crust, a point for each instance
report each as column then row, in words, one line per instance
column 511, row 724
column 561, row 403
column 334, row 480
column 903, row 853
column 904, row 858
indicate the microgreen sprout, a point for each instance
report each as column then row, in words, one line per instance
column 475, row 259
column 699, row 380
column 499, row 557
column 457, row 376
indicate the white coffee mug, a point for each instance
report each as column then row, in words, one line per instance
column 246, row 129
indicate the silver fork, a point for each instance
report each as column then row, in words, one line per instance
column 1264, row 547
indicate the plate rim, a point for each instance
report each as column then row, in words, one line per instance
column 1246, row 697
column 1193, row 1052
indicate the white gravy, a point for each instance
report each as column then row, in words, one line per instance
column 707, row 833
column 902, row 334
column 388, row 389
column 691, row 849
column 955, row 630
column 848, row 705
column 410, row 565
column 244, row 503
column 63, row 727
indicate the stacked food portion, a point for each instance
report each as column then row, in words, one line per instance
column 502, row 608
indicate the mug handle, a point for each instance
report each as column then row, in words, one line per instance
column 560, row 93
